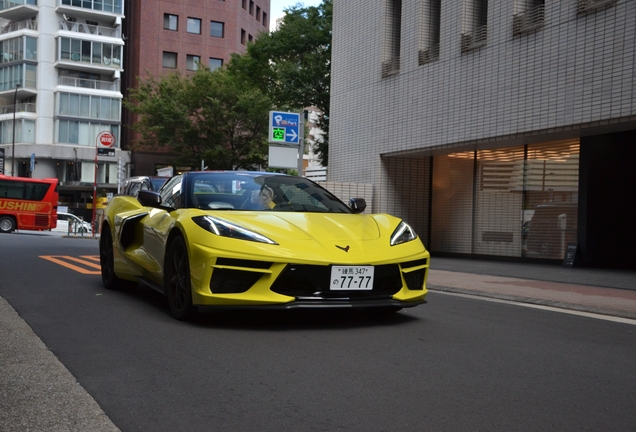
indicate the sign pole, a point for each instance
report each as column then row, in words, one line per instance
column 301, row 143
column 95, row 190
column 106, row 139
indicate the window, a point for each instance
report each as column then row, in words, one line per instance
column 475, row 29
column 96, row 53
column 96, row 107
column 258, row 13
column 431, row 17
column 171, row 192
column 170, row 22
column 24, row 131
column 392, row 35
column 244, row 4
column 243, row 37
column 250, row 38
column 83, row 132
column 251, row 7
column 194, row 25
column 265, row 19
column 215, row 63
column 19, row 48
column 529, row 18
column 169, row 60
column 216, row 29
column 192, row 62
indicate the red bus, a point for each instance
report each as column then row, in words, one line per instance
column 27, row 203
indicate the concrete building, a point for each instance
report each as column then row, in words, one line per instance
column 60, row 66
column 501, row 128
column 177, row 37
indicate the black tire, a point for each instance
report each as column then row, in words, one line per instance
column 7, row 224
column 107, row 261
column 177, row 280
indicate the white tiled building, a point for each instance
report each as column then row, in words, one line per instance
column 60, row 66
column 470, row 117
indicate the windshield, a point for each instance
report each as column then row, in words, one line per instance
column 260, row 191
column 157, row 183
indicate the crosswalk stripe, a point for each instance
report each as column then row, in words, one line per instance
column 63, row 261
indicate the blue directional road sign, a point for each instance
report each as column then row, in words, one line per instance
column 284, row 127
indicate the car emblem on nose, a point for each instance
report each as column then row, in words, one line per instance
column 345, row 248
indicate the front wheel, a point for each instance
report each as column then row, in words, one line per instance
column 7, row 224
column 177, row 280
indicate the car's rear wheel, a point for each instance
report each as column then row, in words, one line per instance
column 7, row 224
column 107, row 261
column 177, row 280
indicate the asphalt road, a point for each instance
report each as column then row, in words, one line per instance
column 453, row 364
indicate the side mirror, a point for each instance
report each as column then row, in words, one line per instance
column 149, row 198
column 357, row 205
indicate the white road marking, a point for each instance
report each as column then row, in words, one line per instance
column 542, row 307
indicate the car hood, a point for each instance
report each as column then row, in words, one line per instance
column 319, row 227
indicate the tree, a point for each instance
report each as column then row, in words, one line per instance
column 210, row 116
column 293, row 64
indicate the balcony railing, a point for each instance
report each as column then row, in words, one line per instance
column 22, row 25
column 111, row 6
column 91, row 29
column 21, row 107
column 8, row 4
column 88, row 83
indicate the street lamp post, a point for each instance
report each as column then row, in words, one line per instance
column 15, row 98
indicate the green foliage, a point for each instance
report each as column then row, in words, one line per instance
column 210, row 116
column 293, row 64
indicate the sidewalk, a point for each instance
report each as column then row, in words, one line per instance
column 605, row 292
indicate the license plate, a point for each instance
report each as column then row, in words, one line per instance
column 351, row 278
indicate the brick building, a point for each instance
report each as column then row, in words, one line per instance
column 177, row 36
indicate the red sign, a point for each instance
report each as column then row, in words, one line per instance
column 106, row 139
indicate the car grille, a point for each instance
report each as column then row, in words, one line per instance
column 234, row 281
column 307, row 281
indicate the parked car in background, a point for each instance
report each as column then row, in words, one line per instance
column 70, row 224
column 133, row 185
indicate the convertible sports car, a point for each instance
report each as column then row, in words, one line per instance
column 252, row 239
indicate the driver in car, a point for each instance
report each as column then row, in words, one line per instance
column 264, row 198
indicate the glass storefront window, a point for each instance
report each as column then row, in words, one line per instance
column 517, row 201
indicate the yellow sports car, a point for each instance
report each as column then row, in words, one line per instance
column 251, row 239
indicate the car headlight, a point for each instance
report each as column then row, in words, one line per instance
column 224, row 228
column 402, row 234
